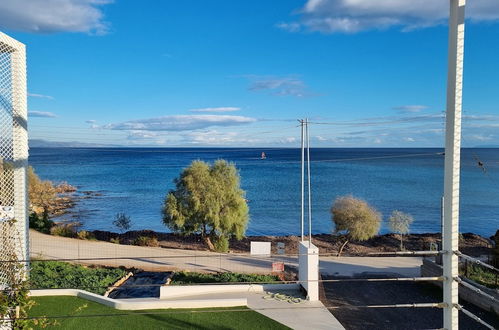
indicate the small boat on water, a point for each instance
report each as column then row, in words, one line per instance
column 263, row 156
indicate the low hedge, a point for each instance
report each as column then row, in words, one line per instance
column 180, row 278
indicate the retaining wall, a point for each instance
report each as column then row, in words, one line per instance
column 430, row 269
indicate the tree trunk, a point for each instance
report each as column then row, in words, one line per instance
column 208, row 243
column 401, row 242
column 341, row 248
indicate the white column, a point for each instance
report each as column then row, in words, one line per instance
column 308, row 269
column 452, row 162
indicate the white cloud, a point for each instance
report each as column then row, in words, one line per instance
column 141, row 135
column 351, row 16
column 409, row 139
column 278, row 85
column 290, row 27
column 217, row 109
column 91, row 121
column 41, row 96
column 49, row 16
column 181, row 122
column 410, row 108
column 480, row 137
column 214, row 137
column 41, row 114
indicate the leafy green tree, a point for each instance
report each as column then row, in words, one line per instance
column 208, row 200
column 354, row 219
column 400, row 223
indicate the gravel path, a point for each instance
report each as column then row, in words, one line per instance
column 371, row 293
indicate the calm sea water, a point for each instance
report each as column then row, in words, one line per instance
column 135, row 181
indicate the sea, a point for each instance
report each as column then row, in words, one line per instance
column 136, row 180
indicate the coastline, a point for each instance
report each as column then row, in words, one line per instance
column 471, row 244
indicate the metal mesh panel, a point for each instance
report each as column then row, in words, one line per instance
column 13, row 157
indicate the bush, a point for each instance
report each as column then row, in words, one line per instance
column 481, row 276
column 146, row 241
column 221, row 244
column 122, row 222
column 83, row 234
column 42, row 224
column 180, row 278
column 65, row 230
column 400, row 223
column 42, row 194
column 115, row 240
column 57, row 274
column 355, row 219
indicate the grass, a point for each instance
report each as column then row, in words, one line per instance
column 483, row 276
column 90, row 315
column 180, row 278
column 57, row 274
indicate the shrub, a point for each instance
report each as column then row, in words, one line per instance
column 122, row 222
column 400, row 223
column 180, row 278
column 65, row 230
column 15, row 302
column 83, row 234
column 42, row 194
column 115, row 240
column 354, row 219
column 221, row 244
column 480, row 275
column 42, row 224
column 57, row 274
column 146, row 241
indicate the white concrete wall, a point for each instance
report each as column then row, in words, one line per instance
column 141, row 303
column 176, row 291
column 308, row 269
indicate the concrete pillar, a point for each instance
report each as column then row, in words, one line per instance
column 450, row 235
column 308, row 269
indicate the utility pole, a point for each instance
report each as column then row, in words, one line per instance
column 452, row 163
column 309, row 187
column 302, row 178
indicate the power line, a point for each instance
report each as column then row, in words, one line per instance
column 259, row 163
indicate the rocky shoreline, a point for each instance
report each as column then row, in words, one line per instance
column 471, row 244
column 68, row 197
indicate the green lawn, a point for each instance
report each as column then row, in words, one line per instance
column 175, row 319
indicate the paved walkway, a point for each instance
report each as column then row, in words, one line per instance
column 303, row 316
column 160, row 259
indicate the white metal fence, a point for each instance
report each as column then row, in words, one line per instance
column 13, row 154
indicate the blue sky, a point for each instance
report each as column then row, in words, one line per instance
column 240, row 73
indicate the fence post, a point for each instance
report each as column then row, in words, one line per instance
column 452, row 162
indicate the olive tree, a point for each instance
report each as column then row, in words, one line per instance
column 400, row 223
column 208, row 200
column 354, row 219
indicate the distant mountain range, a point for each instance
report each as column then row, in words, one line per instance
column 38, row 143
column 487, row 146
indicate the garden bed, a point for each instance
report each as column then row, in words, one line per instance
column 62, row 275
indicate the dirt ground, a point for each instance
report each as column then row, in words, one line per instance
column 349, row 294
column 470, row 244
